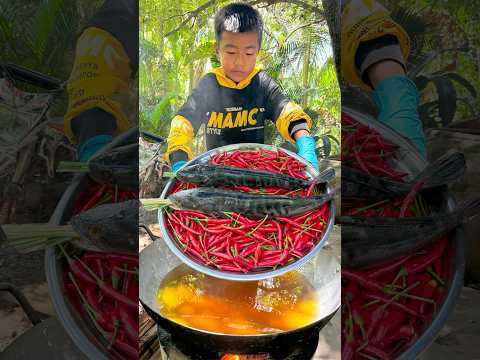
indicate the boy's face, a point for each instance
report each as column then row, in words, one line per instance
column 237, row 53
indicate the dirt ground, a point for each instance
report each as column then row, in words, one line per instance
column 26, row 271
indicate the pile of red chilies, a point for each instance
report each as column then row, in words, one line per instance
column 386, row 307
column 364, row 149
column 236, row 243
column 274, row 161
column 104, row 287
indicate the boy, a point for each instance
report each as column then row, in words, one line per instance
column 374, row 50
column 235, row 100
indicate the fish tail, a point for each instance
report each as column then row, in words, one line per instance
column 325, row 176
column 447, row 168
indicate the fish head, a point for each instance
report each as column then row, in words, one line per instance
column 195, row 173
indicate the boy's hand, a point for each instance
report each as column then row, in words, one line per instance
column 306, row 147
column 92, row 145
column 93, row 128
column 176, row 166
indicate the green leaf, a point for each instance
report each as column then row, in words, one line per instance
column 160, row 110
column 327, row 145
column 447, row 99
column 43, row 25
column 462, row 81
column 428, row 114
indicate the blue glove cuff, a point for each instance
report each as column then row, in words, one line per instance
column 306, row 149
column 176, row 166
column 397, row 98
column 92, row 145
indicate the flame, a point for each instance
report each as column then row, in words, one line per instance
column 244, row 357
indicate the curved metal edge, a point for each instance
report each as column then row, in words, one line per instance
column 405, row 144
column 155, row 315
column 422, row 343
column 61, row 307
column 54, row 287
column 248, row 277
column 430, row 333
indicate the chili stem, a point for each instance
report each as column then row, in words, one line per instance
column 435, row 275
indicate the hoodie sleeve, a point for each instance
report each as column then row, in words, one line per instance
column 288, row 116
column 186, row 123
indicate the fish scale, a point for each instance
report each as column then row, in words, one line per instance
column 369, row 240
column 213, row 200
column 358, row 185
column 210, row 175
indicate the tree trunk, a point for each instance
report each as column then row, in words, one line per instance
column 191, row 77
column 306, row 68
column 332, row 14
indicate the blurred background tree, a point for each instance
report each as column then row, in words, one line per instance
column 177, row 49
column 41, row 34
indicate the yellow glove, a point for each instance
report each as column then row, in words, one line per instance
column 99, row 78
column 364, row 20
column 180, row 137
column 291, row 112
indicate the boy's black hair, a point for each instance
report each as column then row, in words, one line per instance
column 238, row 17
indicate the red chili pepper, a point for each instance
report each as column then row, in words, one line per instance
column 80, row 273
column 132, row 259
column 229, row 268
column 131, row 351
column 218, row 221
column 392, row 320
column 221, row 255
column 176, row 220
column 396, row 304
column 383, row 269
column 361, row 279
column 103, row 319
column 116, row 278
column 196, row 254
column 128, row 322
column 370, row 349
column 191, row 213
column 95, row 198
column 404, row 332
column 109, row 291
column 375, row 319
column 348, row 350
column 431, row 289
column 420, row 263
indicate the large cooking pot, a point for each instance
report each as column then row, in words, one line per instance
column 322, row 272
column 408, row 160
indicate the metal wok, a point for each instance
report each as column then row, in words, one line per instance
column 322, row 272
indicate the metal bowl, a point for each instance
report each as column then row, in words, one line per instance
column 259, row 275
column 80, row 328
column 410, row 161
